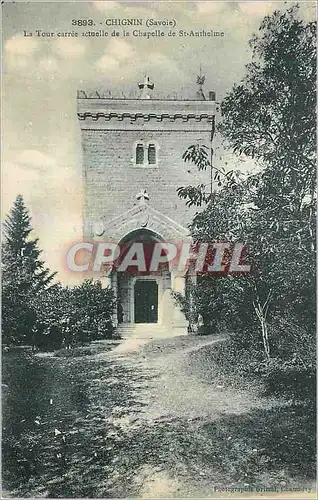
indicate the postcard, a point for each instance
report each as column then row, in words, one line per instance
column 158, row 249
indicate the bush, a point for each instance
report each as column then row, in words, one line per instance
column 214, row 304
column 289, row 378
column 66, row 316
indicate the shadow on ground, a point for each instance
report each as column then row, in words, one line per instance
column 78, row 427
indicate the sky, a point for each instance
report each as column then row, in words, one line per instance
column 41, row 149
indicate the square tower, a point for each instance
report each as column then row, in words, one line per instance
column 132, row 167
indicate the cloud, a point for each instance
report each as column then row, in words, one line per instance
column 160, row 61
column 159, row 64
column 107, row 63
column 18, row 63
column 53, row 195
column 257, row 9
column 120, row 49
column 22, row 176
column 34, row 159
column 48, row 64
column 106, row 5
column 19, row 52
column 206, row 8
column 67, row 47
column 121, row 63
column 116, row 52
column 19, row 45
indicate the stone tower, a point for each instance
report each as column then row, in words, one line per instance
column 132, row 166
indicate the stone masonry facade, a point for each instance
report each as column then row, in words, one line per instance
column 109, row 135
column 114, row 131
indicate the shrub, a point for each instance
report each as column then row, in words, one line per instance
column 70, row 315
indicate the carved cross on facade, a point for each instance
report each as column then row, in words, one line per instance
column 142, row 197
column 145, row 87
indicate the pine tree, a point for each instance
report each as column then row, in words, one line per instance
column 24, row 275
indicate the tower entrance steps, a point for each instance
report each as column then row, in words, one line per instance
column 147, row 331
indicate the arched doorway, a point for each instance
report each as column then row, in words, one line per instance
column 143, row 296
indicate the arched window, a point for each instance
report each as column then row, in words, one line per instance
column 145, row 154
column 140, row 153
column 151, row 154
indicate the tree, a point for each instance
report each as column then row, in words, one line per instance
column 269, row 117
column 24, row 274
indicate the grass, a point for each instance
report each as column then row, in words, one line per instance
column 75, row 427
column 89, row 349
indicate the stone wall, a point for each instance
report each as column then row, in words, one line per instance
column 110, row 131
column 112, row 180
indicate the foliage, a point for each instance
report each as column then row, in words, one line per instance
column 37, row 312
column 24, row 274
column 202, row 157
column 68, row 315
column 271, row 115
column 220, row 301
column 268, row 117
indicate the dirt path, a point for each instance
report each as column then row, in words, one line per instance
column 177, row 388
column 147, row 419
column 190, row 426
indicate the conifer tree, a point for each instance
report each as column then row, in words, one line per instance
column 24, row 275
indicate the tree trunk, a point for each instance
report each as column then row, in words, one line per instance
column 265, row 337
column 261, row 313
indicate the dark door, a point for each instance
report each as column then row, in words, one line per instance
column 146, row 302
